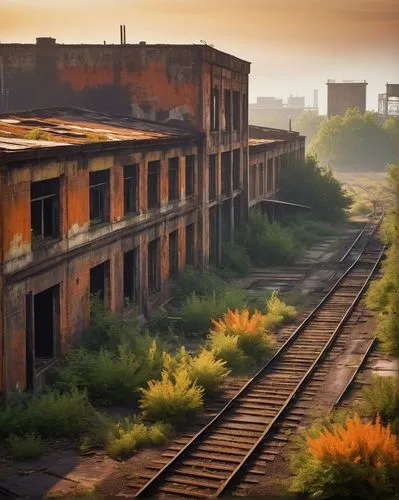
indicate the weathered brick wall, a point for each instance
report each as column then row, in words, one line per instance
column 67, row 261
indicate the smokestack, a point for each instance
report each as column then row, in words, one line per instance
column 316, row 98
column 290, row 125
column 121, row 33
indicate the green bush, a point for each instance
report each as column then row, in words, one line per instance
column 304, row 182
column 381, row 397
column 192, row 281
column 207, row 371
column 236, row 259
column 52, row 415
column 109, row 330
column 108, row 377
column 26, row 447
column 388, row 325
column 129, row 436
column 225, row 347
column 267, row 242
column 173, row 398
column 256, row 346
column 196, row 311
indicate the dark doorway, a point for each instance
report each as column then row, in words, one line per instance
column 213, row 236
column 46, row 324
column 99, row 281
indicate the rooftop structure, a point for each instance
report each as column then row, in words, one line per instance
column 344, row 95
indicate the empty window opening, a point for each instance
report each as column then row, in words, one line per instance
column 131, row 189
column 236, row 110
column 252, row 184
column 244, row 111
column 154, row 266
column 153, row 184
column 173, row 179
column 269, row 175
column 173, row 254
column 226, row 221
column 190, row 166
column 130, row 276
column 226, row 173
column 212, row 177
column 99, row 197
column 45, row 210
column 213, row 236
column 276, row 177
column 215, row 109
column 46, row 323
column 227, row 109
column 261, row 179
column 190, row 257
column 236, row 169
column 237, row 212
column 99, row 281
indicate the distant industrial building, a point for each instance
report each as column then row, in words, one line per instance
column 388, row 103
column 273, row 112
column 344, row 95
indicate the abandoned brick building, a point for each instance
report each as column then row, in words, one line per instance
column 93, row 202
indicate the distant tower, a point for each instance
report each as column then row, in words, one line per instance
column 316, row 99
column 342, row 96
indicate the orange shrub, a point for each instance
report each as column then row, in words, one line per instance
column 253, row 340
column 358, row 441
column 239, row 323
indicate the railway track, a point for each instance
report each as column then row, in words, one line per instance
column 232, row 449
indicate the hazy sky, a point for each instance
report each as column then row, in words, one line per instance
column 294, row 45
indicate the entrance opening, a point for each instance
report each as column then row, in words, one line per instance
column 173, row 254
column 46, row 324
column 213, row 236
column 226, row 221
column 153, row 268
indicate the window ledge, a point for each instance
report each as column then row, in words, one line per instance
column 37, row 245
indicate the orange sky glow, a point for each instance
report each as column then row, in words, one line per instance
column 305, row 41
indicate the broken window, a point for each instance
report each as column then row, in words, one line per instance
column 236, row 169
column 99, row 281
column 45, row 210
column 46, row 323
column 130, row 275
column 173, row 254
column 153, row 184
column 99, row 196
column 269, row 175
column 227, row 109
column 131, row 187
column 212, row 177
column 173, row 179
column 226, row 173
column 236, row 110
column 215, row 109
column 261, row 179
column 213, row 236
column 154, row 266
column 190, row 258
column 190, row 172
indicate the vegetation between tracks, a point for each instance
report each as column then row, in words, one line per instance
column 383, row 295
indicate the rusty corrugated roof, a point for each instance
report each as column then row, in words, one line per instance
column 67, row 126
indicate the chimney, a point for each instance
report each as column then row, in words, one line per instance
column 121, row 33
column 290, row 125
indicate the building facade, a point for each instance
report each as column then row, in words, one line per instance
column 117, row 205
column 270, row 150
